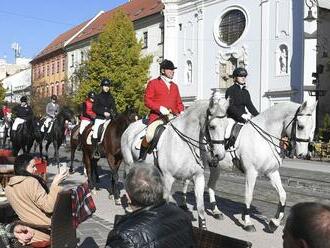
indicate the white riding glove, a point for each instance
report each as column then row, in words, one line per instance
column 163, row 110
column 246, row 117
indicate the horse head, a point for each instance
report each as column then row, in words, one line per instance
column 67, row 114
column 303, row 126
column 216, row 124
column 131, row 113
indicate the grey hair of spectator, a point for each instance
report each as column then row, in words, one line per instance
column 144, row 185
column 309, row 225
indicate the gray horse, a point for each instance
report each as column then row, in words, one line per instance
column 259, row 152
column 181, row 146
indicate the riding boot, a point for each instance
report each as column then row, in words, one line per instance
column 96, row 153
column 143, row 150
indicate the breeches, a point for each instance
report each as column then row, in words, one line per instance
column 17, row 122
column 152, row 128
column 95, row 127
column 83, row 125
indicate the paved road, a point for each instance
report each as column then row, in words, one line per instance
column 296, row 174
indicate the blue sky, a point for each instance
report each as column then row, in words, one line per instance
column 35, row 23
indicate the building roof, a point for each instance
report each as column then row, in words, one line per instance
column 60, row 40
column 135, row 9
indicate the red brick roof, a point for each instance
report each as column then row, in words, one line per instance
column 136, row 9
column 60, row 40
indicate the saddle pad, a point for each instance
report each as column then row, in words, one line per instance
column 104, row 125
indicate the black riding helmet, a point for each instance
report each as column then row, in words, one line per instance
column 167, row 64
column 54, row 97
column 240, row 72
column 91, row 94
column 106, row 82
column 23, row 99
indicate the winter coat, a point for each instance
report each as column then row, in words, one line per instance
column 104, row 102
column 160, row 226
column 25, row 112
column 239, row 99
column 158, row 94
column 31, row 202
column 87, row 111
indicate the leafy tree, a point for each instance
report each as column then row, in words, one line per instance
column 2, row 93
column 116, row 55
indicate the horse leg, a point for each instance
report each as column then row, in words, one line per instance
column 250, row 180
column 94, row 173
column 214, row 176
column 73, row 150
column 168, row 182
column 183, row 204
column 88, row 166
column 115, row 187
column 199, row 194
column 275, row 180
column 56, row 156
column 47, row 146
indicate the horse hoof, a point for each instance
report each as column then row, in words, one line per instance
column 118, row 202
column 218, row 216
column 250, row 228
column 184, row 207
column 272, row 227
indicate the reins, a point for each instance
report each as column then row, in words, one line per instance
column 270, row 137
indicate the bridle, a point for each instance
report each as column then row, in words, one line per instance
column 209, row 141
column 294, row 121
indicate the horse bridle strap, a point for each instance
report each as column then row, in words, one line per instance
column 294, row 126
column 210, row 141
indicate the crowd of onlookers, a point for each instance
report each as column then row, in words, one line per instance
column 153, row 222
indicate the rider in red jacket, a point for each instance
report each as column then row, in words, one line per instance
column 162, row 97
column 88, row 115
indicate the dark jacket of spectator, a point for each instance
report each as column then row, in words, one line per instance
column 164, row 225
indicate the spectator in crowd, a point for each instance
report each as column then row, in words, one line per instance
column 308, row 226
column 153, row 222
column 11, row 233
column 29, row 195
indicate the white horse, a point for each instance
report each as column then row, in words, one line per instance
column 180, row 148
column 259, row 152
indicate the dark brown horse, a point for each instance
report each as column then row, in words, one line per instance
column 111, row 147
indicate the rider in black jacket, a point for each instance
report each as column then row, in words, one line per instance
column 105, row 108
column 240, row 98
column 23, row 113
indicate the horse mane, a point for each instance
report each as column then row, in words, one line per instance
column 277, row 111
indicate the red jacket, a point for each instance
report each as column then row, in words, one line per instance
column 157, row 94
column 87, row 112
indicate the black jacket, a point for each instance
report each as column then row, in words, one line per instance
column 104, row 102
column 239, row 99
column 25, row 113
column 162, row 226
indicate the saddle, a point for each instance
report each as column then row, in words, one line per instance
column 100, row 132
